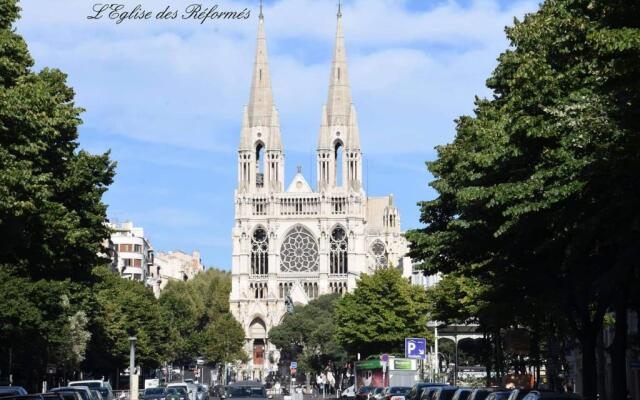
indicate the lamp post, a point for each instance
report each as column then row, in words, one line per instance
column 133, row 377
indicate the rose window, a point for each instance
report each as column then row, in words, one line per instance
column 299, row 251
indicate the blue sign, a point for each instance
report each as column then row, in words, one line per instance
column 415, row 348
column 294, row 365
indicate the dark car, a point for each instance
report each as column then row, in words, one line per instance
column 246, row 390
column 38, row 396
column 84, row 391
column 397, row 393
column 176, row 393
column 445, row 393
column 70, row 395
column 418, row 388
column 430, row 392
column 363, row 392
column 156, row 393
column 12, row 391
column 503, row 395
column 483, row 393
column 462, row 394
column 538, row 395
column 518, row 394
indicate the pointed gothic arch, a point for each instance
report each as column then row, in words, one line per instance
column 338, row 248
column 338, row 159
column 260, row 161
column 259, row 251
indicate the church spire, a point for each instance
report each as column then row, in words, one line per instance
column 261, row 156
column 339, row 99
column 261, row 104
column 339, row 155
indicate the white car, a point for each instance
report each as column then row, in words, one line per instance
column 349, row 392
column 190, row 388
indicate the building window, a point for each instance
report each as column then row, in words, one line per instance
column 311, row 289
column 338, row 244
column 338, row 287
column 284, row 288
column 379, row 253
column 125, row 247
column 299, row 251
column 137, row 262
column 126, row 262
column 259, row 252
column 137, row 248
column 259, row 290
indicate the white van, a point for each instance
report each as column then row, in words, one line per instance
column 191, row 388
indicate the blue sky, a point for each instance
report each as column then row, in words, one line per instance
column 166, row 97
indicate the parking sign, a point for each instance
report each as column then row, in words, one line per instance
column 415, row 348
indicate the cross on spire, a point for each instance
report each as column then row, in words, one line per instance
column 261, row 16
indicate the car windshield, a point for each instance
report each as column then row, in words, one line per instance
column 246, row 391
column 157, row 390
column 399, row 390
column 365, row 389
column 447, row 394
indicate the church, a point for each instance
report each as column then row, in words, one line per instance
column 295, row 240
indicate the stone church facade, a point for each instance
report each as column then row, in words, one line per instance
column 294, row 240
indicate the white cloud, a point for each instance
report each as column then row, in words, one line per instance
column 184, row 84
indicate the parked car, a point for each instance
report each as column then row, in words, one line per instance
column 12, row 391
column 538, row 395
column 418, row 388
column 376, row 393
column 397, row 393
column 190, row 388
column 96, row 384
column 483, row 393
column 518, row 394
column 155, row 393
column 84, row 391
column 444, row 393
column 348, row 393
column 71, row 395
column 363, row 392
column 463, row 394
column 429, row 392
column 202, row 393
column 502, row 395
column 246, row 390
column 37, row 396
column 176, row 393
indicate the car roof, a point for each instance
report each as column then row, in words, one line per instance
column 247, row 383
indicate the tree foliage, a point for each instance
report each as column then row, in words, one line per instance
column 382, row 311
column 536, row 202
column 199, row 321
column 51, row 213
column 308, row 336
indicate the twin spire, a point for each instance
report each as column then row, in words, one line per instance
column 338, row 111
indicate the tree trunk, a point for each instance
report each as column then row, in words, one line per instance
column 589, row 370
column 618, row 350
column 602, row 370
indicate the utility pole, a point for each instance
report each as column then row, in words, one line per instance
column 133, row 377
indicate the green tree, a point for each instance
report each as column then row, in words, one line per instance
column 51, row 211
column 308, row 336
column 382, row 311
column 536, row 191
column 125, row 308
column 200, row 323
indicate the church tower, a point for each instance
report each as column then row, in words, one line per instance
column 260, row 156
column 339, row 158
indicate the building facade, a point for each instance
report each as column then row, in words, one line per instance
column 174, row 266
column 132, row 253
column 295, row 240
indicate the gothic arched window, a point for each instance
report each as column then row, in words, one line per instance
column 338, row 155
column 338, row 244
column 259, row 252
column 379, row 253
column 299, row 251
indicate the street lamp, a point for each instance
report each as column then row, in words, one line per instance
column 133, row 377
